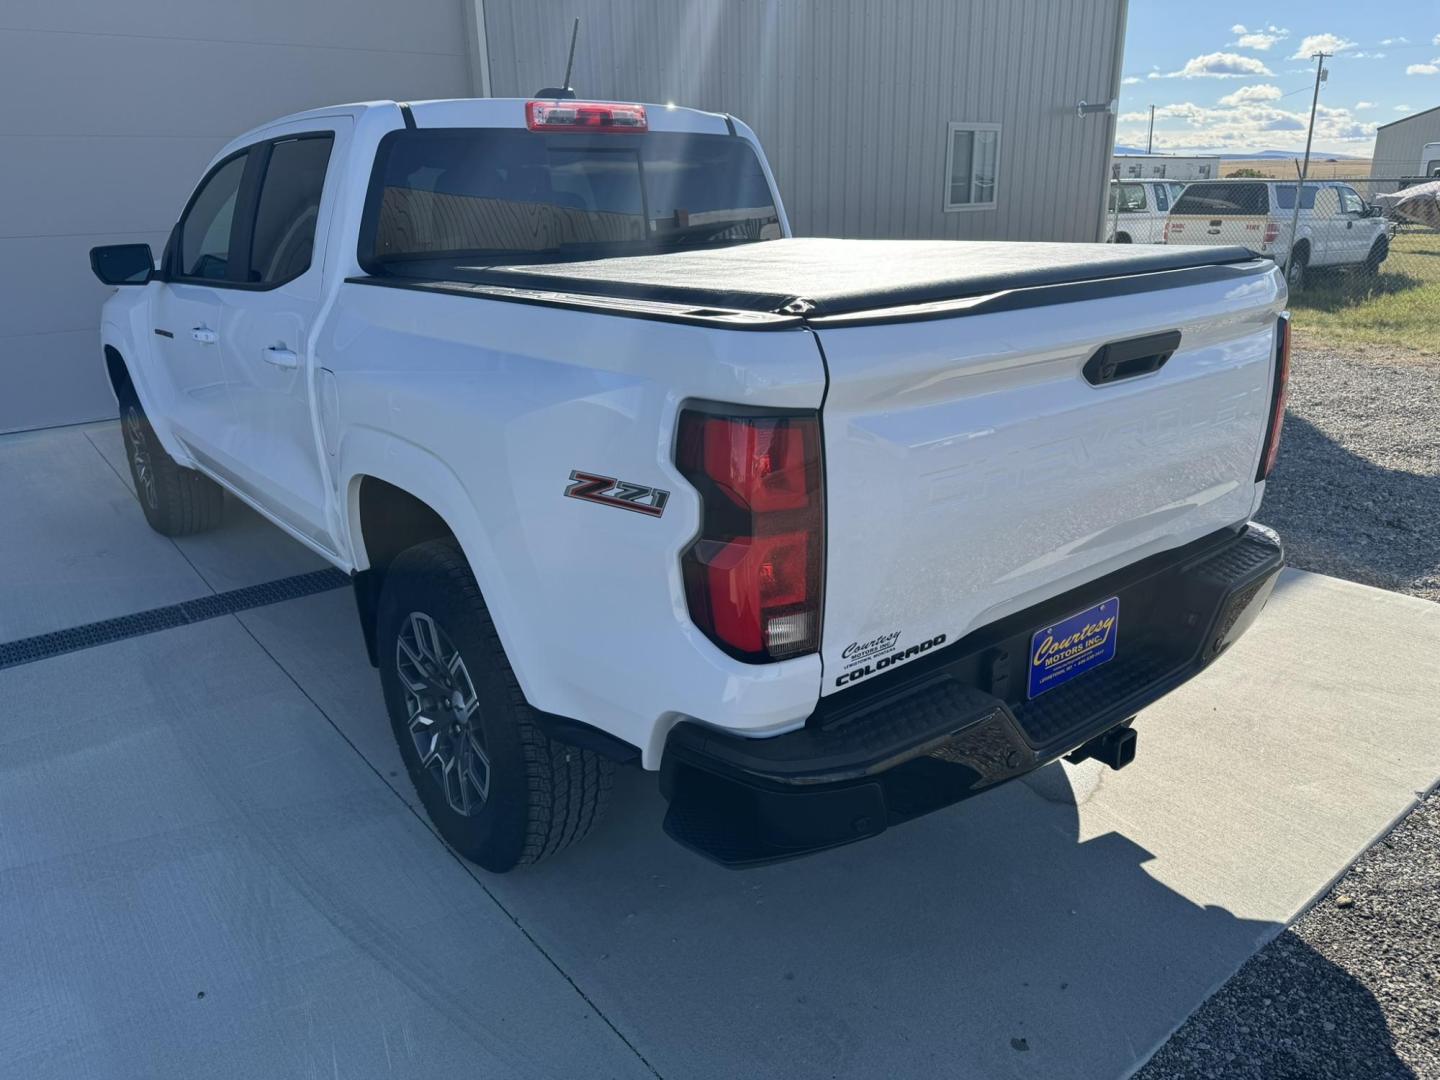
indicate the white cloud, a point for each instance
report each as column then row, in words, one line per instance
column 1423, row 69
column 1262, row 37
column 1130, row 80
column 1364, row 104
column 1326, row 43
column 1218, row 65
column 1256, row 41
column 1395, row 41
column 1402, row 108
column 1366, row 55
column 1249, row 95
column 1435, row 40
column 1245, row 127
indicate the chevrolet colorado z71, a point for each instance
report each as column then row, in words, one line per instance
column 832, row 533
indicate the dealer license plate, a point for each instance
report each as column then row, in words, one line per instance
column 1073, row 646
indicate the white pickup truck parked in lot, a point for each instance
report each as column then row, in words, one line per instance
column 1334, row 229
column 832, row 533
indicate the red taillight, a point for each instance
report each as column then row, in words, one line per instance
column 1272, row 230
column 592, row 116
column 1277, row 397
column 753, row 576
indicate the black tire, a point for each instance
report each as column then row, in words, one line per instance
column 1297, row 273
column 1379, row 252
column 1122, row 238
column 538, row 795
column 176, row 501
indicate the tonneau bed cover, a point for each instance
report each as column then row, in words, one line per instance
column 817, row 277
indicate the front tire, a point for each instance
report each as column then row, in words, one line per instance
column 497, row 789
column 1379, row 252
column 176, row 501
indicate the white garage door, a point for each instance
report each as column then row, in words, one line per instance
column 111, row 111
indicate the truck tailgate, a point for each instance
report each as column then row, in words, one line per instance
column 974, row 471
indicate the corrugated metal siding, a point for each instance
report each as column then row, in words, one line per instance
column 852, row 98
column 115, row 108
column 1398, row 145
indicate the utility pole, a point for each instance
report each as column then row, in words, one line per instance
column 1319, row 58
column 1150, row 139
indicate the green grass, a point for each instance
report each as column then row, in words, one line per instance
column 1397, row 309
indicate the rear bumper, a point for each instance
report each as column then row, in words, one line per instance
column 956, row 723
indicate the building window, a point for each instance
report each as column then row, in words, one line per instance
column 971, row 165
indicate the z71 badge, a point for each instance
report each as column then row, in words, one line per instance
column 607, row 491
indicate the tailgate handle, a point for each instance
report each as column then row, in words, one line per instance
column 1126, row 359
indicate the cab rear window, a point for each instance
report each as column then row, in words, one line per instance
column 1220, row 198
column 492, row 194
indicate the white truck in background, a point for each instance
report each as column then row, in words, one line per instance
column 832, row 533
column 1334, row 228
column 1138, row 210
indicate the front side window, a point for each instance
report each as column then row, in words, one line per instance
column 1131, row 197
column 1350, row 201
column 1162, row 198
column 205, row 229
column 972, row 163
column 284, row 236
column 501, row 193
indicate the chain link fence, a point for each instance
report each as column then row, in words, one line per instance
column 1359, row 271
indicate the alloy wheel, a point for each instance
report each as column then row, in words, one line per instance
column 139, row 448
column 443, row 713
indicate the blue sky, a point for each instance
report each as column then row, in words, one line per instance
column 1236, row 77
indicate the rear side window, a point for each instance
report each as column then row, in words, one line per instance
column 1162, row 197
column 1222, row 198
column 284, row 237
column 499, row 193
column 205, row 229
column 1285, row 196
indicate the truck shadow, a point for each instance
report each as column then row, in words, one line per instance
column 989, row 939
column 1372, row 528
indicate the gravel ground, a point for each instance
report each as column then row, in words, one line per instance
column 1356, row 491
column 1351, row 991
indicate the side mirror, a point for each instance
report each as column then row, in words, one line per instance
column 123, row 264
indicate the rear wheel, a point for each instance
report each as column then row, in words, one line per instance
column 496, row 787
column 1295, row 273
column 1122, row 238
column 176, row 501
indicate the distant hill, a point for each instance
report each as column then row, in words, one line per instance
column 1263, row 155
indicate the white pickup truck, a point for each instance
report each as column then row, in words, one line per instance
column 832, row 533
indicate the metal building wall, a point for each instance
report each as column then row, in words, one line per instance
column 852, row 98
column 1398, row 145
column 113, row 110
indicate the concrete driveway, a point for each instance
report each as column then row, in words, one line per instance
column 212, row 864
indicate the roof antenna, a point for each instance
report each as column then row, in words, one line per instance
column 564, row 90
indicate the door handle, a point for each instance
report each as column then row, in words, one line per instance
column 204, row 335
column 281, row 357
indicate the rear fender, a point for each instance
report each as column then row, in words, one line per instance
column 368, row 452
